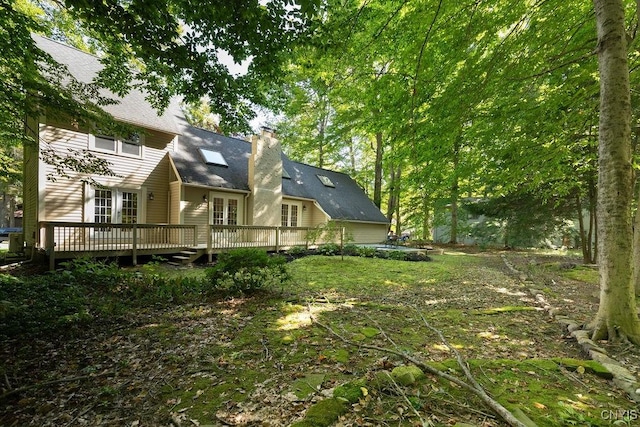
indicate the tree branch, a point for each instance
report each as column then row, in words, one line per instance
column 475, row 388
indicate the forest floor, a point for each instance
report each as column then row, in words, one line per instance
column 264, row 359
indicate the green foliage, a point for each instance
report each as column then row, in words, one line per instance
column 297, row 250
column 351, row 250
column 367, row 252
column 329, row 249
column 87, row 289
column 397, row 255
column 247, row 270
column 89, row 272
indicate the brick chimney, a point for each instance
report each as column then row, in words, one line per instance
column 265, row 180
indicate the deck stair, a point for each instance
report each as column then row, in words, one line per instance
column 187, row 256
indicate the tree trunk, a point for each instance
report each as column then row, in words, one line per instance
column 636, row 250
column 592, row 236
column 377, row 182
column 583, row 235
column 453, row 236
column 321, row 139
column 398, row 191
column 425, row 218
column 617, row 316
column 391, row 204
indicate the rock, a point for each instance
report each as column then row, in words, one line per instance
column 407, row 375
column 382, row 380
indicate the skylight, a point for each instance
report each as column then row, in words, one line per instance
column 326, row 181
column 211, row 157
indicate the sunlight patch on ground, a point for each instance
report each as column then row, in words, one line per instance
column 507, row 291
column 301, row 317
column 150, row 325
column 489, row 335
column 444, row 348
column 436, row 301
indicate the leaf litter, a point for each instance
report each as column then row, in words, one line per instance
column 229, row 362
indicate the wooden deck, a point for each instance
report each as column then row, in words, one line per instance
column 63, row 240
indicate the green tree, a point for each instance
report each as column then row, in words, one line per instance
column 617, row 315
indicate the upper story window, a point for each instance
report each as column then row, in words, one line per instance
column 130, row 146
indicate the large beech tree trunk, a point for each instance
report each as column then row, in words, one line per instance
column 617, row 317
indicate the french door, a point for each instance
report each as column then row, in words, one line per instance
column 115, row 206
column 226, row 210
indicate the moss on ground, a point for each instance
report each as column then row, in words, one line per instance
column 323, row 414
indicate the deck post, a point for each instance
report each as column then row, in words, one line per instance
column 277, row 239
column 50, row 246
column 134, row 249
column 195, row 236
column 209, row 244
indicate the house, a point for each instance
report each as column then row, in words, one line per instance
column 177, row 187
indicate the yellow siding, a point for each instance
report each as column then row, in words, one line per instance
column 64, row 200
column 367, row 233
column 195, row 211
column 175, row 202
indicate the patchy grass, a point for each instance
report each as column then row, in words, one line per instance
column 264, row 360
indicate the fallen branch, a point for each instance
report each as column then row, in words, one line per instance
column 474, row 388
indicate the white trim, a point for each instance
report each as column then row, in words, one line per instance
column 221, row 190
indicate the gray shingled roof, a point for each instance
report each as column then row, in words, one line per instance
column 132, row 108
column 346, row 201
column 193, row 170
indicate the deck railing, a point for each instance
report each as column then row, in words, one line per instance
column 125, row 239
column 65, row 239
column 226, row 237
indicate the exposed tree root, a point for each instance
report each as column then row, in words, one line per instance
column 600, row 329
column 470, row 385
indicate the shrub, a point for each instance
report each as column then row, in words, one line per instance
column 90, row 272
column 397, row 255
column 351, row 249
column 329, row 249
column 247, row 270
column 296, row 251
column 368, row 252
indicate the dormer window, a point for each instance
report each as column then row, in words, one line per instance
column 211, row 157
column 326, row 181
column 130, row 146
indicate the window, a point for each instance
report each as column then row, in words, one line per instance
column 290, row 215
column 211, row 157
column 218, row 211
column 285, row 215
column 130, row 146
column 326, row 181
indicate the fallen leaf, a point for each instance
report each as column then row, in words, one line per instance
column 539, row 405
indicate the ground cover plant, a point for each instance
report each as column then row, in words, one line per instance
column 277, row 356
